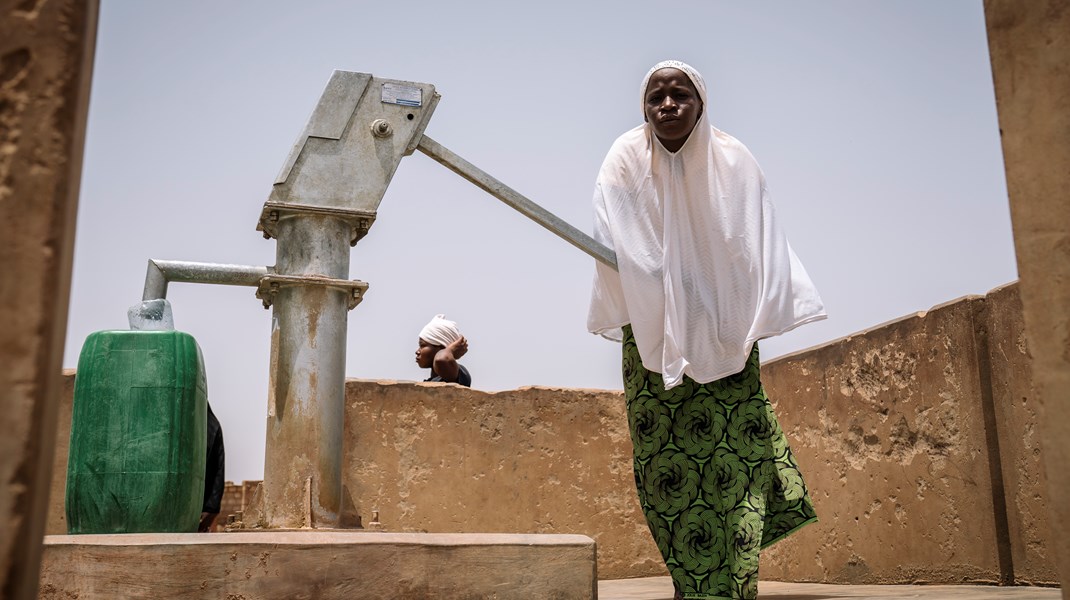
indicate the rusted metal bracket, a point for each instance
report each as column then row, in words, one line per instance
column 360, row 221
column 271, row 284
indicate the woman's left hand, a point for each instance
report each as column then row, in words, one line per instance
column 458, row 348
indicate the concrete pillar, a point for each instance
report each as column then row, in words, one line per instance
column 1029, row 43
column 46, row 56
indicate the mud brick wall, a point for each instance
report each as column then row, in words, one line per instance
column 1016, row 409
column 916, row 437
column 57, row 516
column 442, row 458
column 918, row 440
column 46, row 58
column 229, row 505
column 1029, row 44
column 236, row 497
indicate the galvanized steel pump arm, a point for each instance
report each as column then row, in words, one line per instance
column 516, row 200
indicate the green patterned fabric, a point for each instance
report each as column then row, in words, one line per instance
column 716, row 478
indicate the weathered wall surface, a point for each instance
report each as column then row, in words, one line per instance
column 443, row 458
column 46, row 50
column 236, row 497
column 1018, row 419
column 57, row 516
column 907, row 434
column 897, row 430
column 1029, row 44
column 888, row 429
column 918, row 439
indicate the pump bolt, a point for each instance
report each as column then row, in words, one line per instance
column 380, row 128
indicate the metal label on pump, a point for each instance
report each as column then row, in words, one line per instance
column 405, row 95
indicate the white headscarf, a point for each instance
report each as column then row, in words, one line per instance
column 440, row 331
column 704, row 268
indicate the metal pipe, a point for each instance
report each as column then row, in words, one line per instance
column 508, row 195
column 306, row 393
column 161, row 272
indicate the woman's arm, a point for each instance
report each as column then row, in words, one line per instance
column 446, row 360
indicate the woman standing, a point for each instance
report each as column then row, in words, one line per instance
column 704, row 273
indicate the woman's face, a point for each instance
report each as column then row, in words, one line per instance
column 425, row 354
column 672, row 107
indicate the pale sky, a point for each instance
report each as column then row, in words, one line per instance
column 874, row 122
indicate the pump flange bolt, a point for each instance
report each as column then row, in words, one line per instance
column 382, row 129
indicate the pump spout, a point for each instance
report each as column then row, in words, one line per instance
column 162, row 272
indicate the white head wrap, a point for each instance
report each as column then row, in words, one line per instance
column 440, row 331
column 704, row 268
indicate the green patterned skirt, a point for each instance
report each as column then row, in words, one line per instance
column 715, row 476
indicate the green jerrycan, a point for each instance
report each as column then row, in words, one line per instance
column 137, row 450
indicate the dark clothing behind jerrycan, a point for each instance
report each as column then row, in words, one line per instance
column 138, row 429
column 214, row 482
column 214, row 479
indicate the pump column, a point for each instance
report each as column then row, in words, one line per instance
column 306, row 395
column 323, row 202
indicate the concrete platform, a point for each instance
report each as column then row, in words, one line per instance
column 660, row 588
column 332, row 565
column 325, row 565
